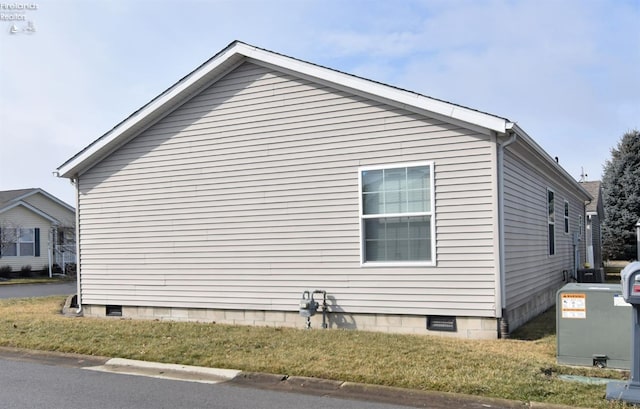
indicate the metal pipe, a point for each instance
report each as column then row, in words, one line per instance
column 324, row 306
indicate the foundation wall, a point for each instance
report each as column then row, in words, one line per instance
column 536, row 305
column 466, row 327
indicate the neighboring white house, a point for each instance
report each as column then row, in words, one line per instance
column 36, row 230
column 595, row 216
column 259, row 176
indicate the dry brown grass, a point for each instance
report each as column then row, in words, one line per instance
column 512, row 369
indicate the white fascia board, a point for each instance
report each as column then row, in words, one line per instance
column 31, row 208
column 421, row 102
column 138, row 120
column 193, row 82
column 47, row 195
column 29, row 193
column 522, row 135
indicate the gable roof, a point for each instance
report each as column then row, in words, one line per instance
column 594, row 190
column 238, row 52
column 31, row 208
column 235, row 54
column 9, row 198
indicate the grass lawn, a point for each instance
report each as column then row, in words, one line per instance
column 34, row 280
column 522, row 369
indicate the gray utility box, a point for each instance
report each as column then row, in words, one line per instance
column 593, row 326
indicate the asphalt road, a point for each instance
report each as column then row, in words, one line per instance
column 37, row 290
column 34, row 385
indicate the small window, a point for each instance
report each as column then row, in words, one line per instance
column 551, row 221
column 396, row 214
column 566, row 217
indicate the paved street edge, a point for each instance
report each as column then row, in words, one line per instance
column 299, row 384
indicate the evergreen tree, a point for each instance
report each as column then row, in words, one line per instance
column 621, row 195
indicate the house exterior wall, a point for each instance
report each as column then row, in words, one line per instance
column 64, row 216
column 22, row 217
column 63, row 246
column 533, row 275
column 247, row 195
column 467, row 327
column 595, row 213
column 594, row 224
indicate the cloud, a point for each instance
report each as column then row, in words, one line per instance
column 565, row 70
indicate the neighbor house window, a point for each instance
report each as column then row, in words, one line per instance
column 396, row 215
column 566, row 217
column 9, row 242
column 26, row 242
column 551, row 219
column 19, row 242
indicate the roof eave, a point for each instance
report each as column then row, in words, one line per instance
column 442, row 108
column 511, row 126
column 231, row 56
column 149, row 113
column 31, row 208
column 33, row 191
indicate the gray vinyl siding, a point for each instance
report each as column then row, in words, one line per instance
column 596, row 240
column 596, row 226
column 247, row 195
column 530, row 270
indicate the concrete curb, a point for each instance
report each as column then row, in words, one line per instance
column 165, row 371
column 380, row 393
column 297, row 384
column 201, row 370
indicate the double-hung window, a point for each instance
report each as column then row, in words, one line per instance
column 19, row 242
column 397, row 214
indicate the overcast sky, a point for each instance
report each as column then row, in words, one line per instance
column 568, row 72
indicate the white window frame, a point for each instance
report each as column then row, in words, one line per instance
column 17, row 233
column 566, row 209
column 430, row 214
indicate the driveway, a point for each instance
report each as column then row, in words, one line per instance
column 37, row 290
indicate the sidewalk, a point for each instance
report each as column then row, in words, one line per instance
column 296, row 384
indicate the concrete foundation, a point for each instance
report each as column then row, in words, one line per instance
column 467, row 327
column 536, row 305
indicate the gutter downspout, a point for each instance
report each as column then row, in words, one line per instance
column 78, row 299
column 504, row 322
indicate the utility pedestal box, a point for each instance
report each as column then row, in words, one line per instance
column 592, row 326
